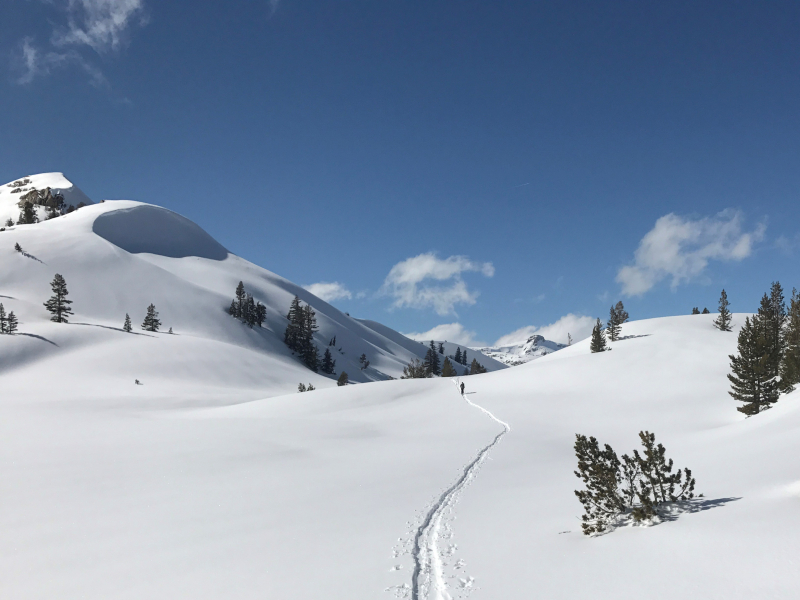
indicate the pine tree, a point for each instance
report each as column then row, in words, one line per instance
column 706, row 311
column 773, row 310
column 441, row 348
column 151, row 321
column 790, row 364
column 328, row 364
column 569, row 339
column 695, row 311
column 308, row 350
column 751, row 379
column 27, row 215
column 301, row 387
column 457, row 357
column 723, row 321
column 622, row 314
column 127, row 325
column 464, row 358
column 613, row 326
column 249, row 315
column 414, row 370
column 363, row 361
column 17, row 247
column 600, row 472
column 432, row 360
column 476, row 368
column 343, row 380
column 241, row 298
column 232, row 308
column 260, row 314
column 58, row 305
column 447, row 368
column 598, row 343
column 3, row 319
column 9, row 222
column 295, row 317
column 11, row 322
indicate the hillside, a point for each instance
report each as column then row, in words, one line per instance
column 536, row 346
column 41, row 185
column 119, row 256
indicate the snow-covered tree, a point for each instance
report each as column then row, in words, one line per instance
column 126, row 326
column 58, row 305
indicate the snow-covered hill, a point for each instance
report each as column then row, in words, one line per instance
column 517, row 354
column 39, row 185
column 177, row 490
column 119, row 256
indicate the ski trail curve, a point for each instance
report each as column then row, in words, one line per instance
column 428, row 577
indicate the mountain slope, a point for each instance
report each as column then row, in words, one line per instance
column 56, row 183
column 518, row 354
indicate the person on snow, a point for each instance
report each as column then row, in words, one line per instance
column 462, row 388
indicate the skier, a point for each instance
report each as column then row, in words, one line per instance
column 462, row 388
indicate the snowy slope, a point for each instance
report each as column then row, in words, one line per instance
column 518, row 354
column 11, row 193
column 119, row 256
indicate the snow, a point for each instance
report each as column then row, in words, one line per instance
column 216, row 479
column 536, row 346
column 55, row 181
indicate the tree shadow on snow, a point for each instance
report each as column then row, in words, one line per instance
column 9, row 297
column 120, row 329
column 630, row 337
column 38, row 337
column 669, row 512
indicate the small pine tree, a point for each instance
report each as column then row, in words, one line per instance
column 342, row 379
column 11, row 323
column 9, row 222
column 328, row 364
column 58, row 305
column 414, row 370
column 17, row 247
column 151, row 321
column 695, row 311
column 241, row 298
column 790, row 363
column 600, row 472
column 613, row 326
column 457, row 357
column 3, row 320
column 706, row 311
column 293, row 330
column 261, row 314
column 127, row 325
column 751, row 379
column 569, row 339
column 598, row 343
column 723, row 321
column 170, row 330
column 301, row 387
column 232, row 308
column 310, row 388
column 441, row 348
column 464, row 358
column 27, row 215
column 476, row 368
column 447, row 368
column 363, row 361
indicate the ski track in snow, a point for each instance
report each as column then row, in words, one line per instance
column 428, row 580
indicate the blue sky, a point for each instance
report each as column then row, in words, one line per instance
column 482, row 165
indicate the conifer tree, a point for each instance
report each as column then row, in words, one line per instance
column 613, row 326
column 773, row 310
column 296, row 318
column 301, row 387
column 126, row 326
column 790, row 363
column 569, row 339
column 723, row 321
column 9, row 222
column 464, row 357
column 58, row 305
column 11, row 322
column 241, row 298
column 441, row 348
column 432, row 360
column 598, row 343
column 328, row 364
column 17, row 247
column 752, row 381
column 457, row 357
column 27, row 215
column 415, row 370
column 260, row 314
column 308, row 349
column 600, row 472
column 447, row 368
column 476, row 368
column 343, row 380
column 695, row 311
column 151, row 321
column 232, row 309
column 706, row 311
column 3, row 320
column 363, row 361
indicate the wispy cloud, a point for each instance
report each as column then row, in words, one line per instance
column 100, row 25
column 329, row 291
column 448, row 332
column 680, row 248
column 412, row 282
column 578, row 326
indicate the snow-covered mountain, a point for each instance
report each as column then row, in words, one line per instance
column 517, row 354
column 119, row 256
column 38, row 189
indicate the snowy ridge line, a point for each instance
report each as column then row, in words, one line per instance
column 428, row 573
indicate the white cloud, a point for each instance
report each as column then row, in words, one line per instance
column 579, row 327
column 329, row 291
column 450, row 332
column 101, row 25
column 408, row 282
column 680, row 249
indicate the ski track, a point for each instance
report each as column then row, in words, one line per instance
column 428, row 573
